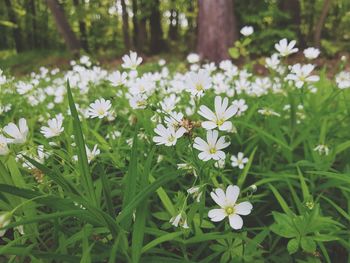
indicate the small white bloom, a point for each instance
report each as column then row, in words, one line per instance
column 193, row 58
column 117, row 78
column 91, row 155
column 196, row 193
column 211, row 149
column 322, row 149
column 100, row 108
column 311, row 53
column 17, row 134
column 220, row 117
column 197, row 83
column 239, row 160
column 301, row 74
column 285, row 48
column 131, row 61
column 240, row 106
column 5, row 219
column 179, row 220
column 343, row 80
column 4, row 150
column 247, row 30
column 54, row 127
column 268, row 112
column 229, row 206
column 167, row 136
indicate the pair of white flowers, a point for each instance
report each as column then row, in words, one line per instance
column 16, row 135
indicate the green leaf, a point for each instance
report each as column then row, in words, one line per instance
column 144, row 194
column 308, row 244
column 141, row 213
column 80, row 142
column 130, row 179
column 293, row 246
column 281, row 201
column 159, row 240
column 243, row 176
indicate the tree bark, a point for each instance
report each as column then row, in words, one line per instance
column 32, row 11
column 157, row 41
column 135, row 24
column 174, row 24
column 16, row 31
column 82, row 27
column 125, row 17
column 142, row 36
column 321, row 22
column 64, row 27
column 292, row 7
column 216, row 29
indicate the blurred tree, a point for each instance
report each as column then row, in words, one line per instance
column 16, row 31
column 321, row 22
column 157, row 42
column 174, row 22
column 82, row 25
column 135, row 24
column 217, row 29
column 125, row 17
column 63, row 26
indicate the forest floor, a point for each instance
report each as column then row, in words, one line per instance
column 29, row 61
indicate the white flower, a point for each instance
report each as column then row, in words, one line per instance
column 220, row 117
column 167, row 136
column 197, row 83
column 193, row 58
column 5, row 219
column 131, row 61
column 91, row 155
column 138, row 101
column 4, row 150
column 117, row 78
column 17, row 134
column 228, row 206
column 239, row 160
column 268, row 112
column 247, row 30
column 311, row 53
column 343, row 80
column 196, row 193
column 322, row 149
column 211, row 148
column 273, row 62
column 285, row 48
column 174, row 119
column 161, row 62
column 179, row 220
column 301, row 74
column 240, row 106
column 54, row 127
column 99, row 108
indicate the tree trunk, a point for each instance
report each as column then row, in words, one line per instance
column 64, row 27
column 174, row 24
column 82, row 27
column 157, row 41
column 17, row 36
column 135, row 24
column 321, row 22
column 216, row 29
column 125, row 17
column 292, row 7
column 310, row 19
column 142, row 37
column 32, row 11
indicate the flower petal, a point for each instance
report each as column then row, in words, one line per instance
column 217, row 215
column 236, row 222
column 232, row 193
column 244, row 208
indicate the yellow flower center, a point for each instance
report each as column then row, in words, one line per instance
column 212, row 150
column 171, row 138
column 101, row 111
column 199, row 87
column 230, row 210
column 220, row 122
